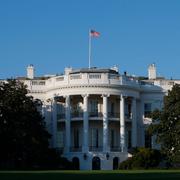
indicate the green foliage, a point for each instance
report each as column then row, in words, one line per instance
column 127, row 164
column 143, row 158
column 166, row 125
column 142, row 78
column 23, row 137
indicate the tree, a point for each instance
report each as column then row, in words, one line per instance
column 166, row 125
column 23, row 137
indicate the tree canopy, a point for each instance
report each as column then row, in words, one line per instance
column 166, row 125
column 23, row 137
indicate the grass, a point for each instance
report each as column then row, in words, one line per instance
column 91, row 175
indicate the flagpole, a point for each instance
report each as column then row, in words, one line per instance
column 89, row 48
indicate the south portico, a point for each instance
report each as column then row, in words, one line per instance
column 94, row 122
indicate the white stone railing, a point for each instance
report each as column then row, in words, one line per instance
column 85, row 79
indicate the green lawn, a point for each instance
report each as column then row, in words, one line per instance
column 91, row 175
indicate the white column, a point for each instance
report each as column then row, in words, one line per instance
column 142, row 128
column 68, row 124
column 105, row 123
column 54, row 122
column 122, row 125
column 85, row 147
column 134, row 123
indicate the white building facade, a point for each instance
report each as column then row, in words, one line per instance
column 96, row 116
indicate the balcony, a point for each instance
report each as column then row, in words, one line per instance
column 96, row 114
column 113, row 115
column 99, row 115
column 76, row 114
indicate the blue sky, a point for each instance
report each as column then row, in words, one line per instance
column 53, row 34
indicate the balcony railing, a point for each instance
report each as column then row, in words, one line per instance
column 76, row 149
column 100, row 114
column 95, row 148
column 95, row 114
column 61, row 116
column 77, row 114
column 113, row 115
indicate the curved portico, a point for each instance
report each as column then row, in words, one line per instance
column 95, row 114
column 96, row 107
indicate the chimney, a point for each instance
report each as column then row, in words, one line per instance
column 152, row 71
column 115, row 68
column 67, row 70
column 30, row 71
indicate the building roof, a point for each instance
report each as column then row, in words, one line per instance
column 35, row 78
column 93, row 70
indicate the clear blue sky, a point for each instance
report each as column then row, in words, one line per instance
column 53, row 34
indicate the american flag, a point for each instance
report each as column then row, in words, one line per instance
column 94, row 33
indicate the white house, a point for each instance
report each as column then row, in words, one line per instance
column 96, row 115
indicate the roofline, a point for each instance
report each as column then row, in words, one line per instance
column 93, row 70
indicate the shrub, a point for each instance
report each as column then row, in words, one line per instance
column 143, row 158
column 126, row 164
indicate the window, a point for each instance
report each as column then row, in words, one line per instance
column 77, row 107
column 171, row 83
column 34, row 82
column 147, row 109
column 60, row 139
column 113, row 76
column 94, row 76
column 77, row 110
column 61, row 107
column 60, row 111
column 42, row 83
column 76, row 138
column 38, row 83
column 95, row 138
column 112, row 138
column 128, row 110
column 93, row 108
column 77, row 76
column 129, row 139
column 112, row 108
